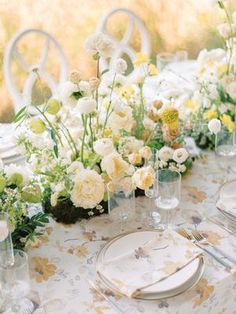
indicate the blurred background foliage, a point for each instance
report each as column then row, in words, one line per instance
column 172, row 24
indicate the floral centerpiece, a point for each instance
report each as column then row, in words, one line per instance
column 99, row 134
column 18, row 192
column 215, row 95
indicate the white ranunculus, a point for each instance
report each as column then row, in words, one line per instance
column 215, row 55
column 144, row 177
column 224, row 30
column 231, row 90
column 149, row 124
column 18, row 174
column 86, row 105
column 75, row 167
column 120, row 66
column 99, row 43
column 214, row 126
column 115, row 166
column 121, row 119
column 103, row 146
column 85, row 87
column 180, row 155
column 145, row 152
column 3, row 230
column 88, row 190
column 165, row 153
column 66, row 91
column 129, row 145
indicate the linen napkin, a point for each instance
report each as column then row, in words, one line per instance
column 153, row 261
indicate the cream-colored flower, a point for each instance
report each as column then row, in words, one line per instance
column 85, row 87
column 3, row 230
column 88, row 190
column 214, row 126
column 120, row 66
column 231, row 90
column 66, row 91
column 94, row 83
column 180, row 155
column 99, row 43
column 129, row 145
column 17, row 175
column 103, row 146
column 224, row 30
column 145, row 152
column 143, row 178
column 86, row 105
column 75, row 167
column 149, row 124
column 135, row 158
column 114, row 165
column 165, row 153
column 126, row 185
column 121, row 119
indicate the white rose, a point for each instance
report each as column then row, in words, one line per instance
column 88, row 190
column 145, row 152
column 165, row 153
column 224, row 30
column 180, row 155
column 231, row 90
column 3, row 230
column 103, row 146
column 115, row 166
column 85, row 87
column 120, row 66
column 101, row 44
column 143, row 178
column 214, row 126
column 86, row 105
column 75, row 167
column 66, row 91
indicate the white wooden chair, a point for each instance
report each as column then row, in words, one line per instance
column 23, row 97
column 123, row 46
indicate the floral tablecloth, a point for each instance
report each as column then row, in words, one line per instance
column 64, row 258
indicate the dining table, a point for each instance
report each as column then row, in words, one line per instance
column 63, row 259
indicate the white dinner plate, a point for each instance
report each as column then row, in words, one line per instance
column 173, row 285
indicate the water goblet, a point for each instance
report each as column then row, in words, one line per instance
column 6, row 247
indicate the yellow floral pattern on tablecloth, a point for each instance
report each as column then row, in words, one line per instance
column 42, row 269
column 203, row 291
column 195, row 196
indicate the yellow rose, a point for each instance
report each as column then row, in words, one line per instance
column 210, row 114
column 141, row 58
column 227, row 121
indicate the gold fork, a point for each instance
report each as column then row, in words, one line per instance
column 202, row 240
column 186, row 234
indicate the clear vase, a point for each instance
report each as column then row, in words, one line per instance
column 6, row 246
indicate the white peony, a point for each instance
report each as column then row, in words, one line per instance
column 115, row 166
column 75, row 167
column 3, row 230
column 224, row 30
column 214, row 126
column 86, row 105
column 85, row 87
column 165, row 153
column 120, row 66
column 99, row 43
column 144, row 177
column 231, row 90
column 66, row 91
column 103, row 146
column 180, row 155
column 88, row 190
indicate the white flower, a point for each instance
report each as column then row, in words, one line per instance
column 53, row 199
column 3, row 230
column 88, row 190
column 103, row 146
column 231, row 90
column 144, row 178
column 180, row 155
column 213, row 92
column 120, row 66
column 66, row 91
column 18, row 175
column 224, row 30
column 75, row 167
column 165, row 153
column 115, row 166
column 121, row 119
column 148, row 124
column 99, row 43
column 85, row 87
column 86, row 105
column 145, row 152
column 1, row 164
column 214, row 126
column 129, row 145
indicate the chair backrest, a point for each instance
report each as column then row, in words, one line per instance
column 23, row 97
column 123, row 46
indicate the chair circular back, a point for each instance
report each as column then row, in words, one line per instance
column 123, row 46
column 37, row 70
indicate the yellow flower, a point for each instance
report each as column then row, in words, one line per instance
column 135, row 158
column 107, row 132
column 191, row 104
column 227, row 121
column 126, row 91
column 170, row 116
column 140, row 59
column 210, row 63
column 210, row 114
column 106, row 105
column 222, row 69
column 152, row 69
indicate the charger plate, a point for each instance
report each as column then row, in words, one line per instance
column 176, row 284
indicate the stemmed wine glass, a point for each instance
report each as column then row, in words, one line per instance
column 6, row 246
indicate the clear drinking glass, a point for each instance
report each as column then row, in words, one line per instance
column 168, row 190
column 6, row 247
column 15, row 285
column 225, row 149
column 181, row 55
column 163, row 59
column 121, row 207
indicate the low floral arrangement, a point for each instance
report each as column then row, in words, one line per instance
column 99, row 135
column 18, row 192
column 215, row 94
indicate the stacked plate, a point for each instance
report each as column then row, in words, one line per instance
column 226, row 203
column 172, row 285
column 9, row 152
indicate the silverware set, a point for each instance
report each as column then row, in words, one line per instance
column 198, row 239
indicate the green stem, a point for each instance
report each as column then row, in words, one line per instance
column 68, row 140
column 83, row 139
column 91, row 130
column 71, row 139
